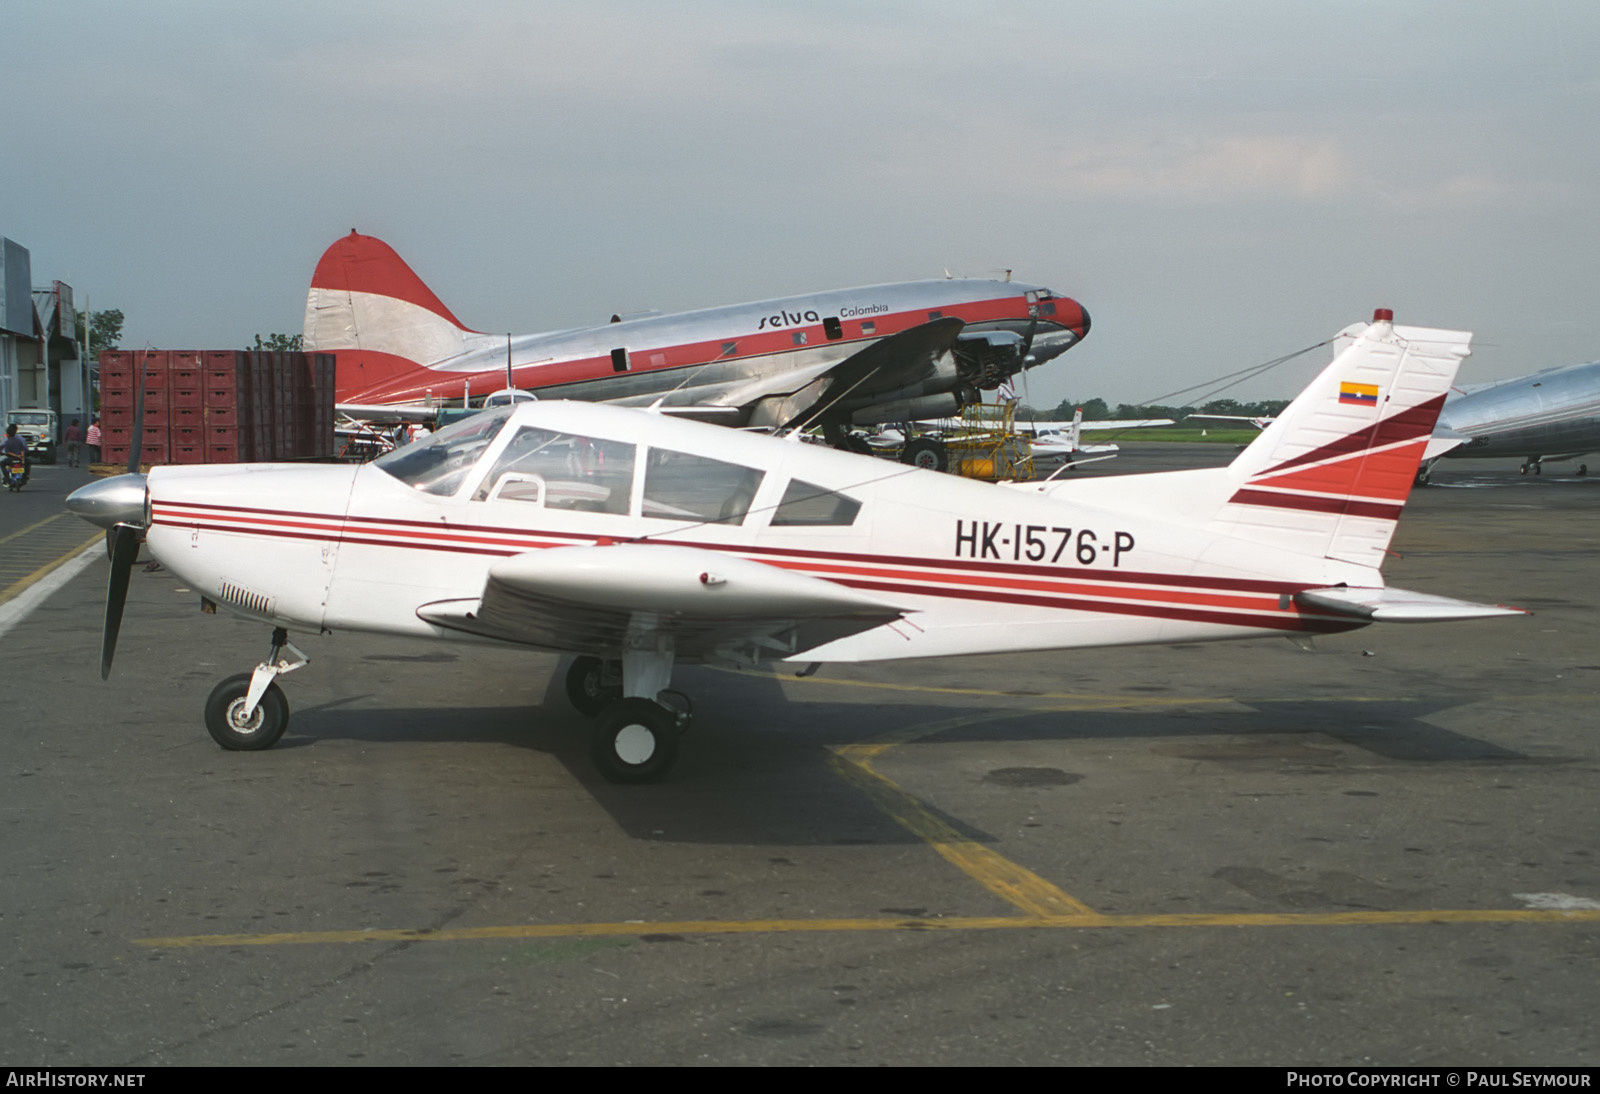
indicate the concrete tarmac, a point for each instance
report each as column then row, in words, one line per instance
column 1382, row 851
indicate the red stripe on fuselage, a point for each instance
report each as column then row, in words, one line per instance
column 418, row 382
column 1232, row 584
column 1071, row 589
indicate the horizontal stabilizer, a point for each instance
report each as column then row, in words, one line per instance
column 1399, row 605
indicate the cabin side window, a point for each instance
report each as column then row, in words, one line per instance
column 805, row 504
column 562, row 471
column 680, row 486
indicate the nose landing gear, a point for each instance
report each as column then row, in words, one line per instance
column 248, row 712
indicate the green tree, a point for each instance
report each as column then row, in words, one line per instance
column 1094, row 410
column 105, row 331
column 279, row 343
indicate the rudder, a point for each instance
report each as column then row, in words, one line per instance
column 1330, row 476
column 375, row 314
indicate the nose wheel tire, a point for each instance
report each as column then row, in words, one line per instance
column 587, row 689
column 229, row 727
column 635, row 741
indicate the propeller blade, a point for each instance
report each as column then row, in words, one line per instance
column 124, row 550
column 1027, row 344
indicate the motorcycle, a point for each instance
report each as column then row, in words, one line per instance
column 16, row 474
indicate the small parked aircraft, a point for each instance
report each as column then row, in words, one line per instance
column 1064, row 440
column 637, row 540
column 883, row 353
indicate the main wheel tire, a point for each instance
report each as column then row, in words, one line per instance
column 928, row 454
column 228, row 727
column 586, row 686
column 635, row 741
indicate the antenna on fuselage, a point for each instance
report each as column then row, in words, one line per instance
column 509, row 383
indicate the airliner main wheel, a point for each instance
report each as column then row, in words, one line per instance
column 635, row 741
column 928, row 454
column 587, row 689
column 232, row 730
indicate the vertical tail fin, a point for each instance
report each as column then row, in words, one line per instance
column 371, row 310
column 1330, row 475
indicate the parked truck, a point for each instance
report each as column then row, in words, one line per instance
column 39, row 429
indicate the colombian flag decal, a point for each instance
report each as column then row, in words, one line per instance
column 1359, row 394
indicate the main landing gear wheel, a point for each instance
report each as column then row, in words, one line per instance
column 928, row 454
column 587, row 689
column 226, row 722
column 635, row 741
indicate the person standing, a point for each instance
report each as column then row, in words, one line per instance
column 93, row 440
column 73, row 435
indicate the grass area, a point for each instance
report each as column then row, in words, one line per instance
column 1185, row 434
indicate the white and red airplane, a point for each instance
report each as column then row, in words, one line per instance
column 638, row 540
column 881, row 353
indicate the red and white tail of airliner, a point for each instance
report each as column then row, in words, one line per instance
column 370, row 308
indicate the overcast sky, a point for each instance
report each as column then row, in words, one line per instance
column 1217, row 183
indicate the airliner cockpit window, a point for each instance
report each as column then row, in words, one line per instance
column 438, row 464
column 678, row 485
column 562, row 471
column 804, row 504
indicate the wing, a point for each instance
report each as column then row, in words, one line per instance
column 890, row 364
column 712, row 606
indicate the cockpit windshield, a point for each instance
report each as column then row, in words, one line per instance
column 439, row 464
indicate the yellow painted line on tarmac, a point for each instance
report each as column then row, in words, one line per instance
column 1045, row 906
column 1006, row 879
column 996, row 873
column 24, row 582
column 831, row 926
column 32, row 527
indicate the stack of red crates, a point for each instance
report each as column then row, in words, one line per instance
column 217, row 406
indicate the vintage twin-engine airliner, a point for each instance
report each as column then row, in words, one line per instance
column 883, row 353
column 637, row 540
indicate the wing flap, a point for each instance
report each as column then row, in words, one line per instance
column 589, row 599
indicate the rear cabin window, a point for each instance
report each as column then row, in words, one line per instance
column 805, row 504
column 678, row 485
column 562, row 471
